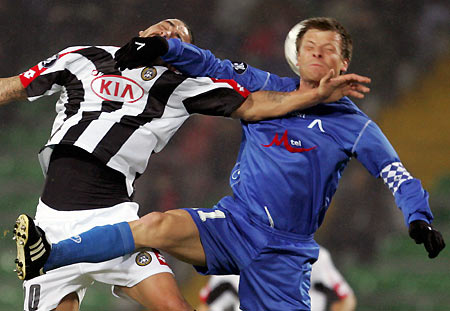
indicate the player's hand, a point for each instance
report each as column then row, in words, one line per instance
column 332, row 88
column 422, row 232
column 140, row 52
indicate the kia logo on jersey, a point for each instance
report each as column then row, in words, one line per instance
column 117, row 88
column 284, row 141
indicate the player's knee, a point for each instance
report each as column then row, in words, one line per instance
column 152, row 220
column 150, row 230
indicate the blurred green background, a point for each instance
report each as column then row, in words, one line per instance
column 402, row 45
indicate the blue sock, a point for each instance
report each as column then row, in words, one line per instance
column 96, row 245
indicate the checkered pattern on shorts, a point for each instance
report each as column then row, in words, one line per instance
column 394, row 175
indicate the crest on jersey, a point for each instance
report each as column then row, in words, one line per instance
column 49, row 61
column 148, row 73
column 143, row 258
column 239, row 67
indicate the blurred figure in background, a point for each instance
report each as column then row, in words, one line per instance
column 329, row 290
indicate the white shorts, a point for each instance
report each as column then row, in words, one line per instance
column 44, row 293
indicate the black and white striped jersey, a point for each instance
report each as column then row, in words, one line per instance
column 121, row 117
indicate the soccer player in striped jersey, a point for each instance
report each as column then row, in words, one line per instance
column 108, row 123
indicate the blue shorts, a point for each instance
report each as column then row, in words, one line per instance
column 275, row 266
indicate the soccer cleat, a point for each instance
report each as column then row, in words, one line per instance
column 33, row 248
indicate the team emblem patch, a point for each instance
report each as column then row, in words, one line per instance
column 239, row 67
column 49, row 61
column 148, row 73
column 143, row 259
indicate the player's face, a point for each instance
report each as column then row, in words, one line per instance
column 319, row 52
column 168, row 28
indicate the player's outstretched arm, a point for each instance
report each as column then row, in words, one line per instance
column 268, row 104
column 378, row 156
column 11, row 89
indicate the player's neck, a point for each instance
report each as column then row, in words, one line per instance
column 308, row 84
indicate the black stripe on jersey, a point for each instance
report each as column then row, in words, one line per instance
column 75, row 93
column 156, row 102
column 102, row 60
column 43, row 83
column 75, row 131
column 164, row 88
column 216, row 102
column 218, row 291
column 74, row 88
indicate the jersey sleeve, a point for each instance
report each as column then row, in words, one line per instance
column 48, row 76
column 214, row 97
column 196, row 62
column 375, row 152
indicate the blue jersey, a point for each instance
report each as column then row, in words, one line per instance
column 288, row 168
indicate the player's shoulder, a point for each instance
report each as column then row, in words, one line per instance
column 78, row 49
column 74, row 48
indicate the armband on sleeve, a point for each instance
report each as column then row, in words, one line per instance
column 394, row 175
column 410, row 197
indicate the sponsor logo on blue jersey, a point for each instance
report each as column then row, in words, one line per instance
column 284, row 140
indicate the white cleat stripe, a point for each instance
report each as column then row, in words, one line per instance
column 36, row 244
column 38, row 255
column 37, row 250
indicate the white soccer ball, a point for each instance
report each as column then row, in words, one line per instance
column 290, row 49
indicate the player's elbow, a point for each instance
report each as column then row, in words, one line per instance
column 247, row 111
column 351, row 302
column 348, row 303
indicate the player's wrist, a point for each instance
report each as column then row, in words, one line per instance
column 318, row 95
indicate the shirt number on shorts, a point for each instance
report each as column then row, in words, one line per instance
column 33, row 297
column 210, row 215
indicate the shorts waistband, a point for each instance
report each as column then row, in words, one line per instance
column 284, row 234
column 47, row 212
column 273, row 231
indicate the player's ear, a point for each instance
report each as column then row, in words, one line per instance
column 344, row 66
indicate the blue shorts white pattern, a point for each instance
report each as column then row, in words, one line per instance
column 275, row 266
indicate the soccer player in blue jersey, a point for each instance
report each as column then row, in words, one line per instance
column 285, row 175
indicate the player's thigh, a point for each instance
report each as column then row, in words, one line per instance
column 173, row 231
column 69, row 303
column 158, row 292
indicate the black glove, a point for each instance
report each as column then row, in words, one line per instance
column 424, row 233
column 140, row 52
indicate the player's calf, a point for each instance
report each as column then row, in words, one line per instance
column 32, row 248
